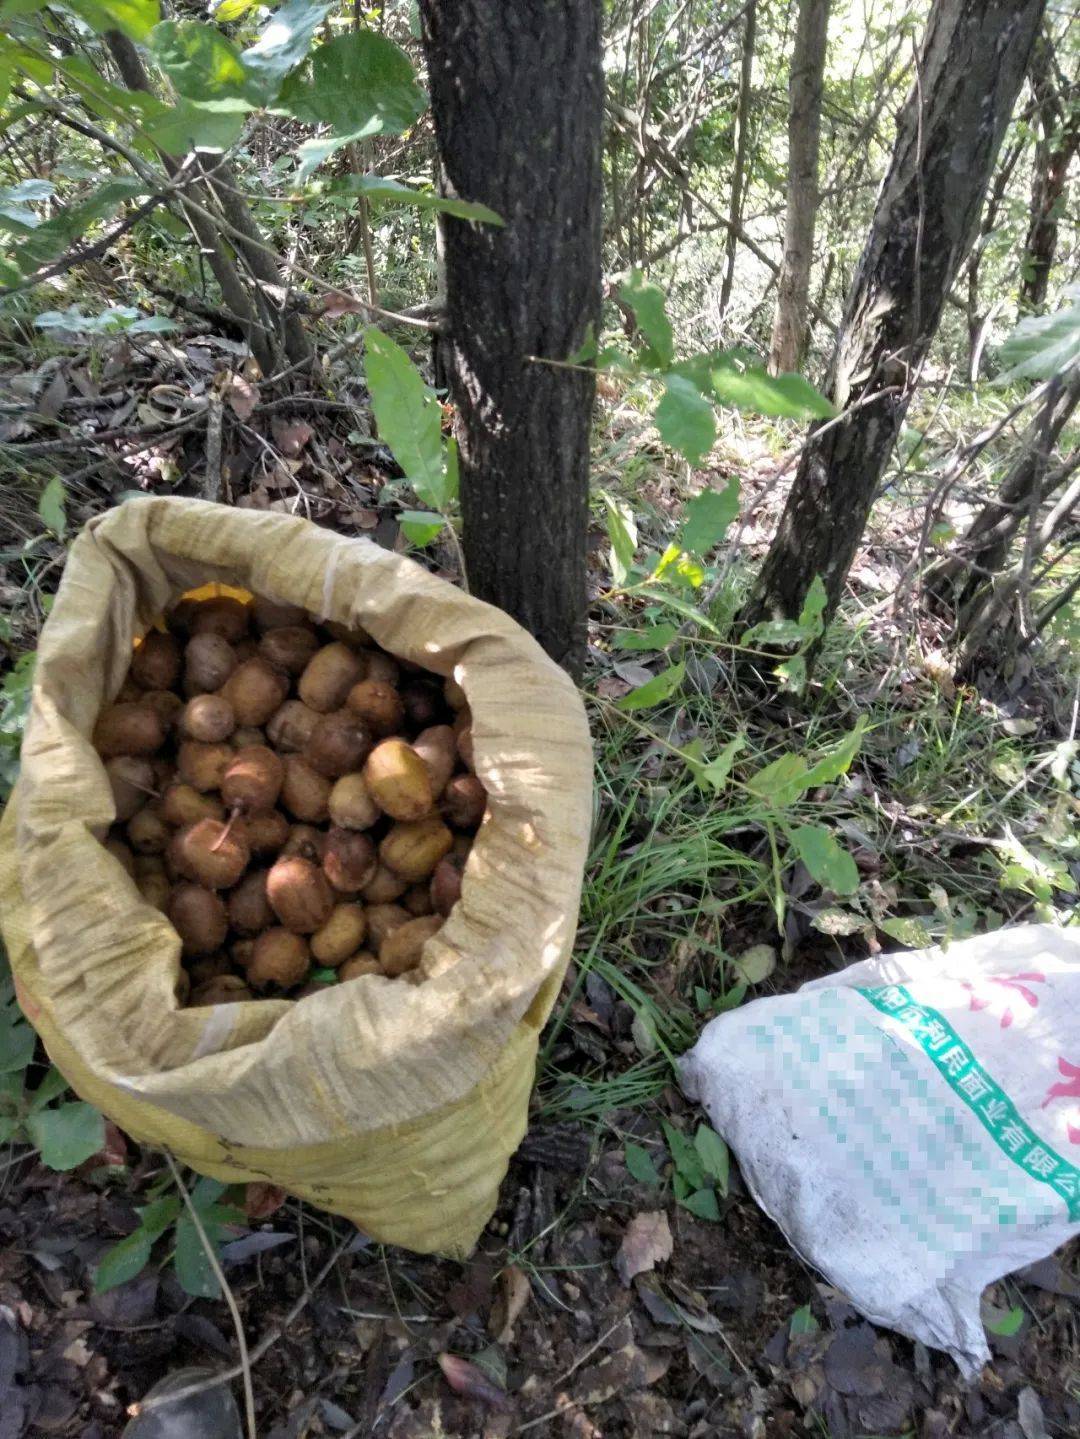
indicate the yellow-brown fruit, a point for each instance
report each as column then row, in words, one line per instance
column 354, row 635
column 209, row 660
column 359, row 965
column 403, row 946
column 131, row 779
column 341, row 935
column 414, row 849
column 202, row 766
column 290, row 648
column 253, row 780
column 208, row 719
column 398, row 780
column 149, row 864
column 128, row 729
column 241, row 951
column 383, row 919
column 338, row 744
column 378, row 704
column 464, row 801
column 299, row 894
column 265, row 831
column 222, row 616
column 147, row 832
column 378, row 665
column 417, row 899
column 289, row 728
column 328, row 677
column 422, row 702
column 437, row 747
column 183, row 804
column 384, row 887
column 226, row 989
column 246, row 736
column 155, row 889
column 121, row 852
column 249, row 909
column 199, row 918
column 306, row 841
column 208, row 966
column 350, row 804
column 463, row 731
column 255, row 689
column 305, row 794
column 280, row 960
column 165, row 704
column 445, row 887
column 156, row 663
column 454, row 695
column 348, row 860
column 209, row 853
column 275, row 614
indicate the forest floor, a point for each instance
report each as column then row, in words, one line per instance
column 732, row 1335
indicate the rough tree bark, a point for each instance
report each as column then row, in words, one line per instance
column 742, row 145
column 517, row 98
column 1058, row 102
column 973, row 60
column 804, row 135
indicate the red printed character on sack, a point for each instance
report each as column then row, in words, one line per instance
column 1068, row 1089
column 1017, row 983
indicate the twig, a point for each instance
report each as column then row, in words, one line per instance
column 82, row 253
column 212, row 478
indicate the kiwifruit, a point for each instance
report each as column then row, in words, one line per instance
column 413, row 849
column 147, row 832
column 422, row 702
column 275, row 614
column 383, row 919
column 290, row 648
column 328, row 677
column 437, row 747
column 241, row 951
column 209, row 853
column 222, row 616
column 462, row 848
column 249, row 908
column 131, row 779
column 253, row 780
column 127, row 729
column 464, row 801
column 398, row 780
column 207, row 718
column 246, row 736
column 358, row 965
column 289, row 728
column 203, row 765
column 255, row 689
column 164, row 772
column 354, row 635
column 454, row 695
column 149, row 864
column 384, row 886
column 378, row 704
column 156, row 663
column 349, row 860
column 199, row 918
column 226, row 989
column 350, row 804
column 264, row 831
column 209, row 660
column 306, row 841
column 165, row 704
column 339, row 743
column 463, row 731
column 178, row 618
column 121, row 852
column 280, row 960
column 417, row 899
column 183, row 804
column 445, row 889
column 402, row 948
column 305, row 794
column 299, row 894
column 340, row 936
column 155, row 888
column 205, row 967
column 380, row 666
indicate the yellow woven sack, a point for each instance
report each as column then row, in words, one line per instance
column 395, row 1105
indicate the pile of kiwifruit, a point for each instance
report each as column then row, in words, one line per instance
column 295, row 799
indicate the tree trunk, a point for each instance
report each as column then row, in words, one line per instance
column 517, row 98
column 973, row 61
column 742, row 144
column 1059, row 140
column 804, row 134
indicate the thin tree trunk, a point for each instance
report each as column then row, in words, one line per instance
column 1059, row 140
column 804, row 135
column 973, row 62
column 742, row 144
column 517, row 98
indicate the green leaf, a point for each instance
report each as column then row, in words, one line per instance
column 323, row 975
column 781, row 782
column 51, row 507
column 775, row 632
column 685, row 419
column 714, row 1156
column 156, row 1217
column 14, row 200
column 392, row 192
column 133, row 18
column 912, row 932
column 811, row 616
column 51, row 1087
column 68, row 1135
column 409, row 417
column 703, row 1204
column 283, row 44
column 713, row 774
column 1043, row 346
column 201, row 62
column 830, row 865
column 687, row 1161
column 123, row 1261
column 656, row 690
column 227, row 11
column 216, row 125
column 190, row 1261
column 647, row 302
column 17, row 1041
column 755, row 964
column 837, row 761
column 707, row 518
column 53, row 236
column 639, row 1163
column 622, row 532
column 802, row 1322
column 750, row 388
column 361, row 84
column 652, row 637
column 837, row 922
column 731, row 998
column 792, row 674
column 420, row 527
column 1003, row 1322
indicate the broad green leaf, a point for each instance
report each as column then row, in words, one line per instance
column 830, row 865
column 656, row 690
column 647, row 302
column 323, row 975
column 216, row 125
column 408, row 415
column 392, row 192
column 685, row 420
column 1003, row 1322
column 17, row 1041
column 361, row 84
column 912, row 932
column 639, row 1163
column 190, row 1261
column 201, row 62
column 652, row 637
column 781, row 782
column 752, row 389
column 420, row 527
column 53, row 236
column 708, row 517
column 687, row 1161
column 283, row 44
column 837, row 761
column 227, row 11
column 675, row 561
column 755, row 964
column 622, row 532
column 313, row 153
column 133, row 18
column 123, row 1261
column 14, row 202
column 714, row 1156
column 813, row 607
column 156, row 1217
column 802, row 1322
column 731, row 998
column 792, row 674
column 837, row 922
column 713, row 774
column 51, row 1087
column 775, row 632
column 68, row 1135
column 703, row 1204
column 1042, row 346
column 52, row 507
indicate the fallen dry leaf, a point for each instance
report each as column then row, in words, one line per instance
column 338, row 303
column 646, row 1243
column 514, row 1291
column 291, row 436
column 241, row 395
column 262, row 1199
column 472, row 1383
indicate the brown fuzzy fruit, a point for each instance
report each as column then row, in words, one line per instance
column 265, row 831
column 147, row 831
column 306, row 841
column 403, row 947
column 304, row 793
column 350, row 804
column 384, row 887
column 378, row 665
column 155, row 889
column 249, row 908
column 246, row 736
column 275, row 614
column 339, row 743
column 208, row 719
column 199, row 918
column 209, row 660
column 349, row 860
column 378, row 705
column 423, row 704
column 132, row 782
column 165, row 704
column 226, row 989
column 417, row 898
column 280, row 960
column 299, row 894
column 128, row 693
column 354, row 635
column 222, row 616
column 289, row 728
column 328, row 677
column 182, row 804
column 359, row 965
column 398, row 780
column 414, row 849
column 464, row 801
column 255, row 689
column 454, row 695
column 122, row 854
column 382, row 920
column 128, row 729
column 203, row 765
column 463, row 731
column 210, row 854
column 290, row 648
column 253, row 780
column 156, row 663
column 241, row 951
column 437, row 747
column 445, row 887
column 341, row 935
